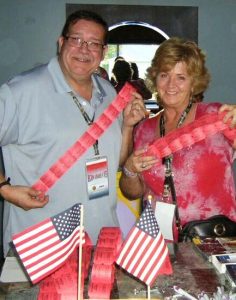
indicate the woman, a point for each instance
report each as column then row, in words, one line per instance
column 139, row 83
column 122, row 73
column 202, row 174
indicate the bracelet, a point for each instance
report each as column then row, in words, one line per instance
column 7, row 182
column 129, row 173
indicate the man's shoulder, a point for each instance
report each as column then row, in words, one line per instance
column 28, row 76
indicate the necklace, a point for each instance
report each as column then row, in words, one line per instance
column 169, row 188
column 168, row 160
column 180, row 121
column 86, row 118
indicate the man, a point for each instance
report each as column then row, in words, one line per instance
column 43, row 112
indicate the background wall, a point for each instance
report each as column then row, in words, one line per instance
column 29, row 30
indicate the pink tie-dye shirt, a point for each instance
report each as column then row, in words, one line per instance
column 203, row 174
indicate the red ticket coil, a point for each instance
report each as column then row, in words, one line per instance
column 107, row 242
column 104, row 256
column 190, row 134
column 103, row 270
column 102, row 273
column 110, row 237
column 110, row 230
column 99, row 290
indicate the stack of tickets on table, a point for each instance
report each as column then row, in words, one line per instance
column 63, row 284
column 103, row 269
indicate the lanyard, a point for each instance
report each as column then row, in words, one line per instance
column 180, row 122
column 169, row 187
column 86, row 118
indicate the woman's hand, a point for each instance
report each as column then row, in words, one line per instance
column 230, row 114
column 139, row 162
column 24, row 197
column 132, row 185
column 135, row 111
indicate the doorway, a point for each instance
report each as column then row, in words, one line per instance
column 137, row 30
column 124, row 40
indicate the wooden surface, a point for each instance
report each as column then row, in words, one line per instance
column 191, row 273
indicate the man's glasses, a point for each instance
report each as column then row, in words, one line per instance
column 76, row 41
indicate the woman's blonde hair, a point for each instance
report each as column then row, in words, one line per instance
column 177, row 50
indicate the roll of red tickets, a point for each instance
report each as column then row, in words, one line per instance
column 102, row 273
column 104, row 256
column 99, row 291
column 110, row 235
column 190, row 134
column 107, row 242
column 113, row 230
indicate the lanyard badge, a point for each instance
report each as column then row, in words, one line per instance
column 97, row 177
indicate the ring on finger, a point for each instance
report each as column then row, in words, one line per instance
column 143, row 165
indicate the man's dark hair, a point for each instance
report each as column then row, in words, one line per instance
column 84, row 15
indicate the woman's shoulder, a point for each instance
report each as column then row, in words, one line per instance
column 146, row 129
column 150, row 122
column 207, row 108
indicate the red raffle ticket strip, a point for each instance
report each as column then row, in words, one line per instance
column 103, row 269
column 94, row 131
column 190, row 134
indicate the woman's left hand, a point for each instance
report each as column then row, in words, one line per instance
column 230, row 114
column 135, row 111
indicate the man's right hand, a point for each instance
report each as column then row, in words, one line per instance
column 24, row 197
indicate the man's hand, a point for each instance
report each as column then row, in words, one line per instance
column 24, row 197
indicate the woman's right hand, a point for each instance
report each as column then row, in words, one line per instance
column 132, row 185
column 24, row 197
column 138, row 162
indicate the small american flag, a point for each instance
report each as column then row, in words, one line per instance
column 44, row 247
column 144, row 253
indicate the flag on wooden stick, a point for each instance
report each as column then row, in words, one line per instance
column 144, row 253
column 44, row 247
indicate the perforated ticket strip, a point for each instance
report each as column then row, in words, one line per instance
column 65, row 162
column 103, row 269
column 190, row 134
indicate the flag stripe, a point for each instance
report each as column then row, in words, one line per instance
column 54, row 263
column 136, row 252
column 157, row 268
column 37, row 243
column 49, row 254
column 155, row 260
column 31, row 231
column 44, row 247
column 126, row 246
column 140, row 251
column 144, row 253
column 37, row 238
column 142, row 265
column 133, row 247
column 30, row 254
column 154, row 254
